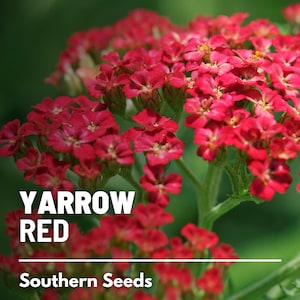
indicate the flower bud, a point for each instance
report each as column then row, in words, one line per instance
column 115, row 101
column 174, row 97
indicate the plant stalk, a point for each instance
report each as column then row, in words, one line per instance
column 260, row 288
column 209, row 195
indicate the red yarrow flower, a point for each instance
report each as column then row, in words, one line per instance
column 149, row 240
column 30, row 163
column 170, row 274
column 152, row 122
column 54, row 176
column 203, row 109
column 271, row 176
column 179, row 249
column 72, row 139
column 211, row 281
column 287, row 82
column 198, row 48
column 209, row 140
column 116, row 148
column 158, row 185
column 199, row 238
column 223, row 251
column 88, row 168
column 145, row 82
column 95, row 123
column 120, row 227
column 160, row 148
column 12, row 135
column 152, row 215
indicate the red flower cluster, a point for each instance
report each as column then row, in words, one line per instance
column 238, row 84
column 140, row 29
column 80, row 135
column 116, row 237
column 156, row 138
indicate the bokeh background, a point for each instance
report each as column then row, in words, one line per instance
column 33, row 32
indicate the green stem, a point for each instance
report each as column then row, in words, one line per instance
column 178, row 114
column 129, row 120
column 237, row 174
column 246, row 178
column 138, row 164
column 222, row 208
column 188, row 172
column 209, row 196
column 164, row 107
column 260, row 288
column 201, row 188
column 233, row 177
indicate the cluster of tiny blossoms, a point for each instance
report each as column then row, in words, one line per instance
column 129, row 85
column 125, row 237
column 238, row 84
column 81, row 137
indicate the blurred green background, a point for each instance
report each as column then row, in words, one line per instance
column 32, row 35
